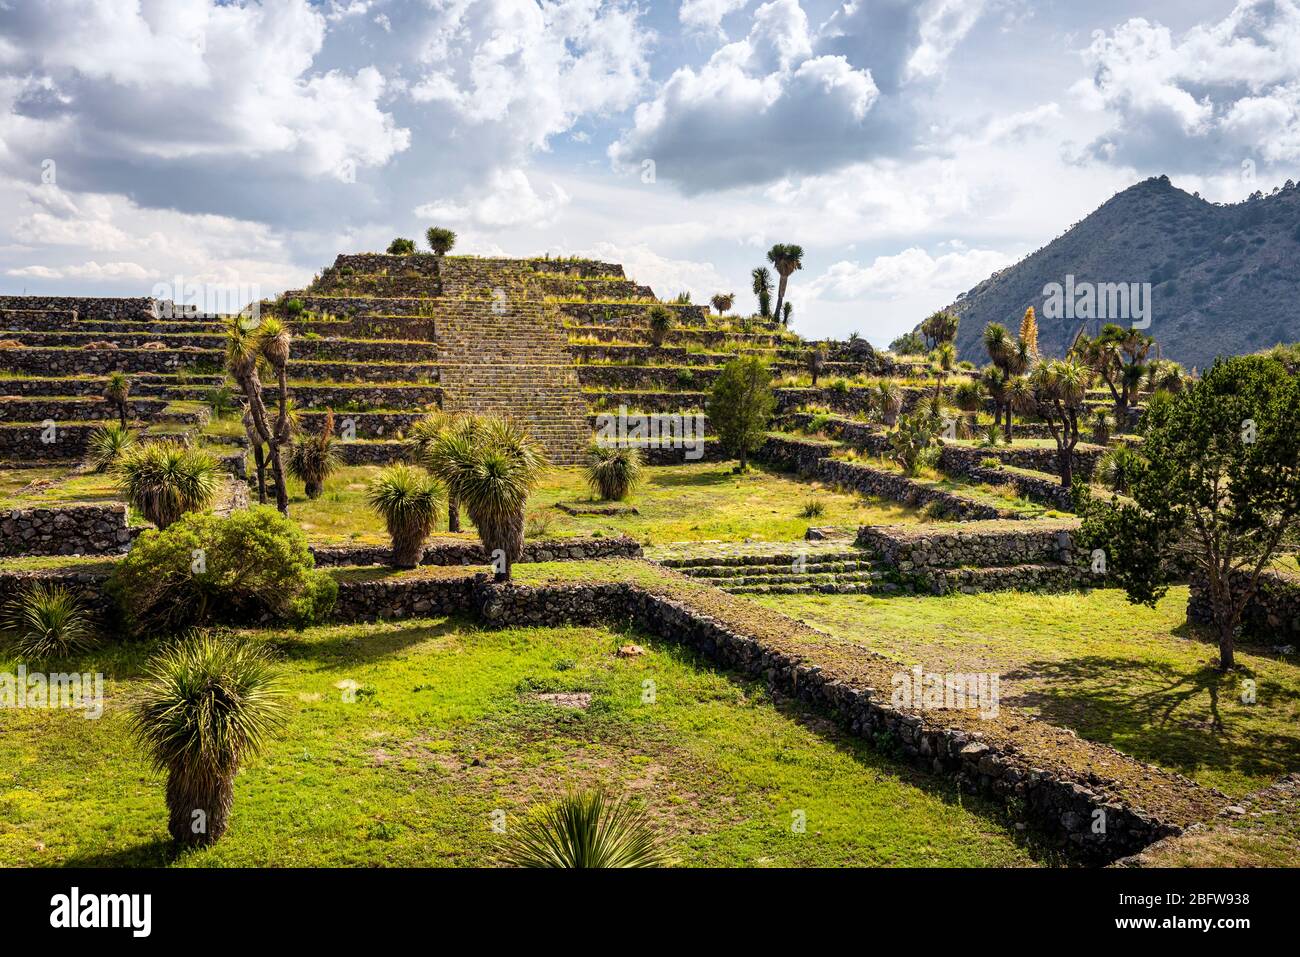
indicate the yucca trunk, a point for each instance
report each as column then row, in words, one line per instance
column 408, row 544
column 504, row 535
column 780, row 296
column 453, row 514
column 212, row 794
column 313, row 486
column 253, row 390
column 121, row 414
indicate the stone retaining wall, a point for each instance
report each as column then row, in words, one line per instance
column 65, row 530
column 812, row 459
column 910, row 547
column 73, row 410
column 956, row 458
column 471, row 553
column 1062, row 808
column 72, row 362
column 1272, row 615
column 88, row 307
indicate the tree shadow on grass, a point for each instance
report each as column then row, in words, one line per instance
column 1163, row 714
column 339, row 651
column 158, row 852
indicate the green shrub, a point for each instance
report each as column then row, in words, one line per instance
column 813, row 508
column 401, row 247
column 294, row 307
column 46, row 621
column 205, row 569
column 989, row 462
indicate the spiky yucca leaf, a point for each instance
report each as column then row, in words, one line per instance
column 612, row 473
column 212, row 701
column 164, row 480
column 409, row 502
column 47, row 621
column 108, row 444
column 313, row 458
column 585, row 830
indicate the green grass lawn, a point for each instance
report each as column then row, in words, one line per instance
column 14, row 480
column 448, row 725
column 1137, row 678
column 697, row 502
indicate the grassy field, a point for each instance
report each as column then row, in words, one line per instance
column 1136, row 678
column 676, row 503
column 449, row 724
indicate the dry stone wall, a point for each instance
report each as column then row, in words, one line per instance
column 65, row 530
column 1272, row 615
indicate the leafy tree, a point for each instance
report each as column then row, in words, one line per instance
column 440, row 240
column 1216, row 485
column 211, row 703
column 117, row 389
column 762, row 285
column 908, row 344
column 401, row 247
column 785, row 259
column 740, row 406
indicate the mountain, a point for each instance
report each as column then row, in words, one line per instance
column 1224, row 278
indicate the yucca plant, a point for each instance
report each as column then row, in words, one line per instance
column 612, row 472
column 424, row 439
column 117, row 389
column 491, row 466
column 212, row 702
column 108, row 444
column 660, row 320
column 408, row 501
column 164, row 480
column 1102, row 424
column 46, row 621
column 585, row 829
column 313, row 458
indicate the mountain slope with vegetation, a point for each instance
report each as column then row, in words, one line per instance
column 1224, row 277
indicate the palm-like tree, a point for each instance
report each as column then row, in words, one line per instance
column 585, row 830
column 723, row 301
column 313, row 458
column 164, row 480
column 762, row 285
column 1060, row 387
column 440, row 240
column 888, row 401
column 108, row 444
column 612, row 472
column 785, row 259
column 274, row 341
column 244, row 353
column 817, row 357
column 491, row 465
column 428, row 450
column 117, row 389
column 660, row 319
column 212, row 703
column 408, row 501
column 945, row 359
column 1021, row 398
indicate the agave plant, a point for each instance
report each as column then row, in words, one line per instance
column 491, row 466
column 108, row 444
column 47, row 621
column 212, row 702
column 585, row 830
column 612, row 472
column 164, row 480
column 408, row 501
column 117, row 389
column 313, row 458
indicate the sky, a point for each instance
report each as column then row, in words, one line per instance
column 225, row 151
